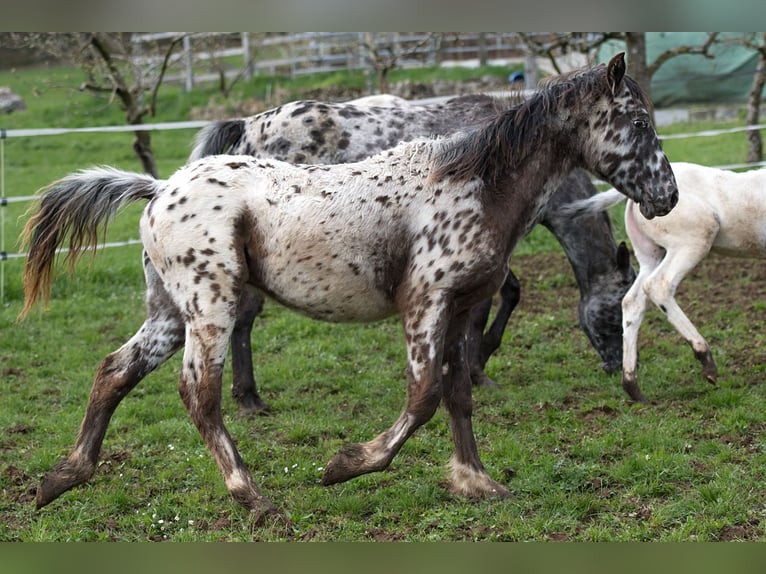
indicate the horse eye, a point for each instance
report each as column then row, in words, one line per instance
column 640, row 124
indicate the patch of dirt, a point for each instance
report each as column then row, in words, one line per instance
column 716, row 283
column 747, row 531
column 20, row 486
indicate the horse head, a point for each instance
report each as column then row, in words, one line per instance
column 622, row 145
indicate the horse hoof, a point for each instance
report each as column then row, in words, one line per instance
column 252, row 406
column 631, row 387
column 482, row 380
column 268, row 515
column 258, row 410
column 346, row 464
column 711, row 376
column 65, row 476
column 473, row 482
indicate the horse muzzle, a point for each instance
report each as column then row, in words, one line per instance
column 659, row 206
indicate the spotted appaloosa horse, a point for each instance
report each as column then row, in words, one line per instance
column 324, row 133
column 718, row 211
column 424, row 230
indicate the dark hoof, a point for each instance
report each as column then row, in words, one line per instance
column 710, row 374
column 270, row 516
column 631, row 387
column 481, row 379
column 349, row 462
column 709, row 369
column 252, row 406
column 62, row 478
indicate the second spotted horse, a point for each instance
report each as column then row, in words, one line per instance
column 313, row 132
column 329, row 242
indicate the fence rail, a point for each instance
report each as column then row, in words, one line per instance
column 313, row 52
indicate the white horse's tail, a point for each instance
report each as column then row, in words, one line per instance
column 78, row 207
column 599, row 202
column 217, row 138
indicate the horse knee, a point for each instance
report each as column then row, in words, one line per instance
column 659, row 291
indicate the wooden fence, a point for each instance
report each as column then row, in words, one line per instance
column 205, row 56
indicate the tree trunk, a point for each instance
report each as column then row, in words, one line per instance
column 754, row 141
column 638, row 68
column 383, row 79
column 142, row 145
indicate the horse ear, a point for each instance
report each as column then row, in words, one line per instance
column 615, row 71
column 623, row 256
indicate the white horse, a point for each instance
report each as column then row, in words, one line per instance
column 718, row 211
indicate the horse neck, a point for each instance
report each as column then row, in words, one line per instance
column 588, row 240
column 525, row 190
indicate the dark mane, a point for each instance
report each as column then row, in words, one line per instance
column 505, row 141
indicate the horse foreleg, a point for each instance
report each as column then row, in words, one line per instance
column 200, row 389
column 633, row 310
column 118, row 374
column 243, row 388
column 424, row 329
column 468, row 476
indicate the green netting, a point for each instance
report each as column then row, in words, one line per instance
column 688, row 79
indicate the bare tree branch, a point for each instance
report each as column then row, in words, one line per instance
column 702, row 50
column 163, row 70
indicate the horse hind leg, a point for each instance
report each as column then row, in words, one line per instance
column 243, row 390
column 159, row 337
column 661, row 287
column 200, row 389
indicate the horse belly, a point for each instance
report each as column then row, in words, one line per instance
column 742, row 232
column 333, row 291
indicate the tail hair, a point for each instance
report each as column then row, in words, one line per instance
column 598, row 202
column 78, row 206
column 217, row 138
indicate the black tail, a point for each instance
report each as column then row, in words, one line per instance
column 217, row 138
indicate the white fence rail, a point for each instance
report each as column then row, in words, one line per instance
column 10, row 134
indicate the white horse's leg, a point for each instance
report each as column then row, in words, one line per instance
column 159, row 337
column 633, row 310
column 648, row 254
column 661, row 287
column 424, row 328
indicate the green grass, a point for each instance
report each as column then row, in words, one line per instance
column 582, row 463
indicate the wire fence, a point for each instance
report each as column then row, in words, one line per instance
column 5, row 201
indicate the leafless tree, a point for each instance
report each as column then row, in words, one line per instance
column 213, row 46
column 755, row 41
column 112, row 69
column 556, row 44
column 385, row 51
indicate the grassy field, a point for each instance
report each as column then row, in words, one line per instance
column 581, row 461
